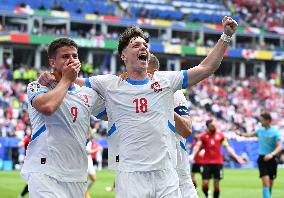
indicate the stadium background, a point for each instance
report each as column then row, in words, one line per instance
column 249, row 81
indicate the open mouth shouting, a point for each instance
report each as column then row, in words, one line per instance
column 142, row 57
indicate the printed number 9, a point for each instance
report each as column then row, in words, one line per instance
column 74, row 112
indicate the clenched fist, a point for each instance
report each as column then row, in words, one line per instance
column 230, row 25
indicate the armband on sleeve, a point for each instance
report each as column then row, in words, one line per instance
column 182, row 110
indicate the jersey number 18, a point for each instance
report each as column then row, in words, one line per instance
column 141, row 105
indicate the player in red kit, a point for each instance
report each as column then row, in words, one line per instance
column 212, row 140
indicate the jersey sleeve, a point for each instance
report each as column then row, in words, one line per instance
column 224, row 140
column 177, row 79
column 34, row 89
column 180, row 103
column 99, row 83
column 257, row 132
column 99, row 109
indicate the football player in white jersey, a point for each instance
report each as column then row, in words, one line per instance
column 140, row 111
column 141, row 117
column 56, row 160
column 183, row 124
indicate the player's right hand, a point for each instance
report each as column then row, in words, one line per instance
column 70, row 70
column 190, row 158
column 230, row 25
column 46, row 79
column 241, row 160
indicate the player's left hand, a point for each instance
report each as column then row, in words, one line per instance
column 268, row 157
column 123, row 76
column 230, row 25
column 46, row 79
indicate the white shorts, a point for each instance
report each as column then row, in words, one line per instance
column 44, row 186
column 91, row 167
column 186, row 185
column 150, row 184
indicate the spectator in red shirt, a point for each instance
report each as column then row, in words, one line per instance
column 212, row 141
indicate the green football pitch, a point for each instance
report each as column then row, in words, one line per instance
column 238, row 183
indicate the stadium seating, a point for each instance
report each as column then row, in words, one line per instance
column 101, row 6
column 268, row 17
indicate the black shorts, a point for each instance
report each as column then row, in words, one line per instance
column 212, row 169
column 267, row 167
column 195, row 168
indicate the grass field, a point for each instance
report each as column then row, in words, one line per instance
column 238, row 183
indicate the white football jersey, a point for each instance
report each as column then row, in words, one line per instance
column 182, row 156
column 141, row 119
column 58, row 144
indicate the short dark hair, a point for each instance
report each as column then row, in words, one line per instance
column 60, row 42
column 208, row 122
column 154, row 62
column 127, row 35
column 266, row 116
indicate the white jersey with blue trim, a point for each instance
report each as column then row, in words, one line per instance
column 141, row 119
column 182, row 156
column 58, row 144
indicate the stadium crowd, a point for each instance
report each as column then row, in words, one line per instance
column 259, row 13
column 235, row 103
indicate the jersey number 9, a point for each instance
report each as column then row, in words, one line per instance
column 74, row 112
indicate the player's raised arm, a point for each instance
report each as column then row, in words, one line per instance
column 212, row 62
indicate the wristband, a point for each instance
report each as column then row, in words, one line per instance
column 226, row 38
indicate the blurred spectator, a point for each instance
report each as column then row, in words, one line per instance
column 236, row 102
column 260, row 13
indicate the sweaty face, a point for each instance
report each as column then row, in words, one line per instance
column 136, row 54
column 64, row 56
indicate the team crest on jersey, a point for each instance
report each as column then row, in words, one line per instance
column 34, row 87
column 156, row 86
column 85, row 99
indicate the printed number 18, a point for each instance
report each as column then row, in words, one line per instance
column 141, row 105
